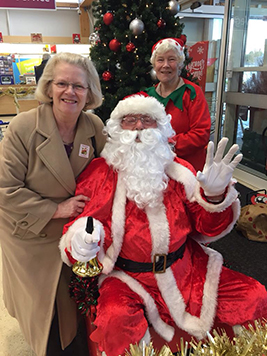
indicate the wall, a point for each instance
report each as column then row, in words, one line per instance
column 65, row 22
column 194, row 29
column 58, row 23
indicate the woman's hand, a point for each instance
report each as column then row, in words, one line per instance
column 71, row 207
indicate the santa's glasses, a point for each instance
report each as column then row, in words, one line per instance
column 132, row 120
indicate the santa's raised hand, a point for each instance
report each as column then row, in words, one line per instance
column 218, row 170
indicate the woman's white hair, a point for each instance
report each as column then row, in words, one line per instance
column 165, row 45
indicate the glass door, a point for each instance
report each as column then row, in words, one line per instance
column 242, row 101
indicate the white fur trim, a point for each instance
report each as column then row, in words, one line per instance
column 172, row 41
column 231, row 196
column 139, row 104
column 183, row 175
column 230, row 200
column 198, row 327
column 207, row 239
column 64, row 242
column 195, row 326
column 163, row 329
column 145, row 339
column 117, row 227
column 159, row 229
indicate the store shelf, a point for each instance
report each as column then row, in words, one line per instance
column 246, row 99
column 8, row 106
column 250, row 69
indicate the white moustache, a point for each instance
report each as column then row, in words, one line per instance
column 146, row 136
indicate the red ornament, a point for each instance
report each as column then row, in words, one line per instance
column 114, row 45
column 183, row 38
column 130, row 47
column 107, row 76
column 161, row 23
column 108, row 18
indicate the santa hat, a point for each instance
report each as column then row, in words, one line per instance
column 140, row 104
column 175, row 43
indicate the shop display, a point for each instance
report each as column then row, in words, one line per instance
column 6, row 69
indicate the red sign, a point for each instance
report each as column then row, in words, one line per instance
column 211, row 61
column 36, row 37
column 198, row 65
column 29, row 4
column 76, row 38
column 53, row 48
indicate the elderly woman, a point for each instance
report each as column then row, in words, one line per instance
column 43, row 152
column 183, row 99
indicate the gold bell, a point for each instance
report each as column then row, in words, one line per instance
column 91, row 268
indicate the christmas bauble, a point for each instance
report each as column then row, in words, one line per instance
column 130, row 47
column 161, row 23
column 137, row 26
column 174, row 7
column 114, row 45
column 153, row 74
column 183, row 38
column 108, row 18
column 107, row 76
column 93, row 38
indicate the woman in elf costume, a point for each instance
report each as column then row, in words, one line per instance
column 184, row 100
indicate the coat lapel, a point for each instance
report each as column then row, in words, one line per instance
column 85, row 130
column 58, row 164
column 64, row 169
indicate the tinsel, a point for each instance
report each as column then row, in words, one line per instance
column 251, row 341
column 16, row 93
column 84, row 291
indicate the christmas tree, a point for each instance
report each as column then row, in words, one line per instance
column 125, row 31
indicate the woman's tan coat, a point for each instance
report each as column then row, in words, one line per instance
column 36, row 175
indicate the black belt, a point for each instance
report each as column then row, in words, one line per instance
column 159, row 264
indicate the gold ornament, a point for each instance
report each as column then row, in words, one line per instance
column 87, row 269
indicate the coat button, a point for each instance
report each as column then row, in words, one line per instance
column 43, row 235
column 24, row 223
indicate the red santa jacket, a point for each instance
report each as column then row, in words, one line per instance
column 139, row 234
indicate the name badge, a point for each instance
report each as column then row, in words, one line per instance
column 84, row 151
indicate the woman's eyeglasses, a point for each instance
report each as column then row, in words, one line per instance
column 64, row 86
column 132, row 120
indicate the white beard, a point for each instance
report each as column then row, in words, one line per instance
column 142, row 164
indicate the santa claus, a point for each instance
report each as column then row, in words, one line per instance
column 152, row 215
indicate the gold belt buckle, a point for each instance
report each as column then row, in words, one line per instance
column 164, row 262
